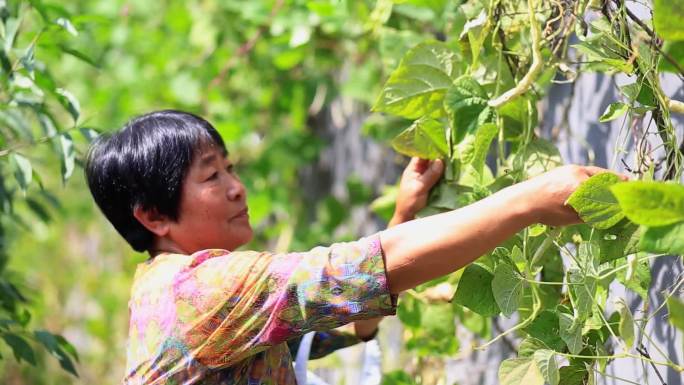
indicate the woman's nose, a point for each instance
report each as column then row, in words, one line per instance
column 236, row 190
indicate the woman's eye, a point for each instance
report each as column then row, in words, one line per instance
column 213, row 176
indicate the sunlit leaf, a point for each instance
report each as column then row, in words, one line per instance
column 667, row 239
column 667, row 19
column 417, row 87
column 651, row 203
column 425, row 138
column 595, row 203
column 614, row 111
column 520, row 371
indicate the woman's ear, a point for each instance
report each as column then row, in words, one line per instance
column 157, row 223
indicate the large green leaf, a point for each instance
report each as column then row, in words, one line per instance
column 507, row 287
column 664, row 239
column 667, row 19
column 546, row 362
column 425, row 138
column 474, row 290
column 651, row 203
column 417, row 87
column 466, row 104
column 520, row 371
column 595, row 203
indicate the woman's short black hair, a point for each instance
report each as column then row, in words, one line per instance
column 144, row 164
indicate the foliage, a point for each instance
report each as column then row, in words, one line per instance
column 484, row 114
column 40, row 122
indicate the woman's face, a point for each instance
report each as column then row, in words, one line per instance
column 213, row 207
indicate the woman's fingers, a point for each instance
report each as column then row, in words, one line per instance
column 593, row 170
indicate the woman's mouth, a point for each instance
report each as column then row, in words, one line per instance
column 244, row 213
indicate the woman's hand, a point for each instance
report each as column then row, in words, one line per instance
column 549, row 192
column 416, row 181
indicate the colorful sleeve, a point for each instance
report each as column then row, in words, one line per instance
column 325, row 342
column 245, row 302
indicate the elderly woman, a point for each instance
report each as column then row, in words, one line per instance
column 202, row 312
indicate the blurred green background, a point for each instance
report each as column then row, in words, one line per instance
column 274, row 77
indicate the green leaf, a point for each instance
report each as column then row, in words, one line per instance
column 529, row 346
column 538, row 157
column 614, row 111
column 484, row 136
column 466, row 103
column 664, row 239
column 640, row 92
column 546, row 362
column 54, row 345
column 595, row 203
column 68, row 156
column 507, row 287
column 23, row 172
column 417, row 87
column 637, row 277
column 570, row 332
column 474, row 290
column 397, row 377
column 582, row 292
column 545, row 327
column 626, row 325
column 520, row 371
column 409, row 312
column 425, row 138
column 574, row 374
column 667, row 19
column 69, row 102
column 600, row 50
column 676, row 52
column 21, row 349
column 675, row 308
column 651, row 203
column 618, row 241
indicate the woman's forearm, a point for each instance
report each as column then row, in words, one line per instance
column 427, row 248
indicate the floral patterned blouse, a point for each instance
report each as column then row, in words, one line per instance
column 220, row 317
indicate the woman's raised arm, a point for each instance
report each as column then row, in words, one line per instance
column 423, row 249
